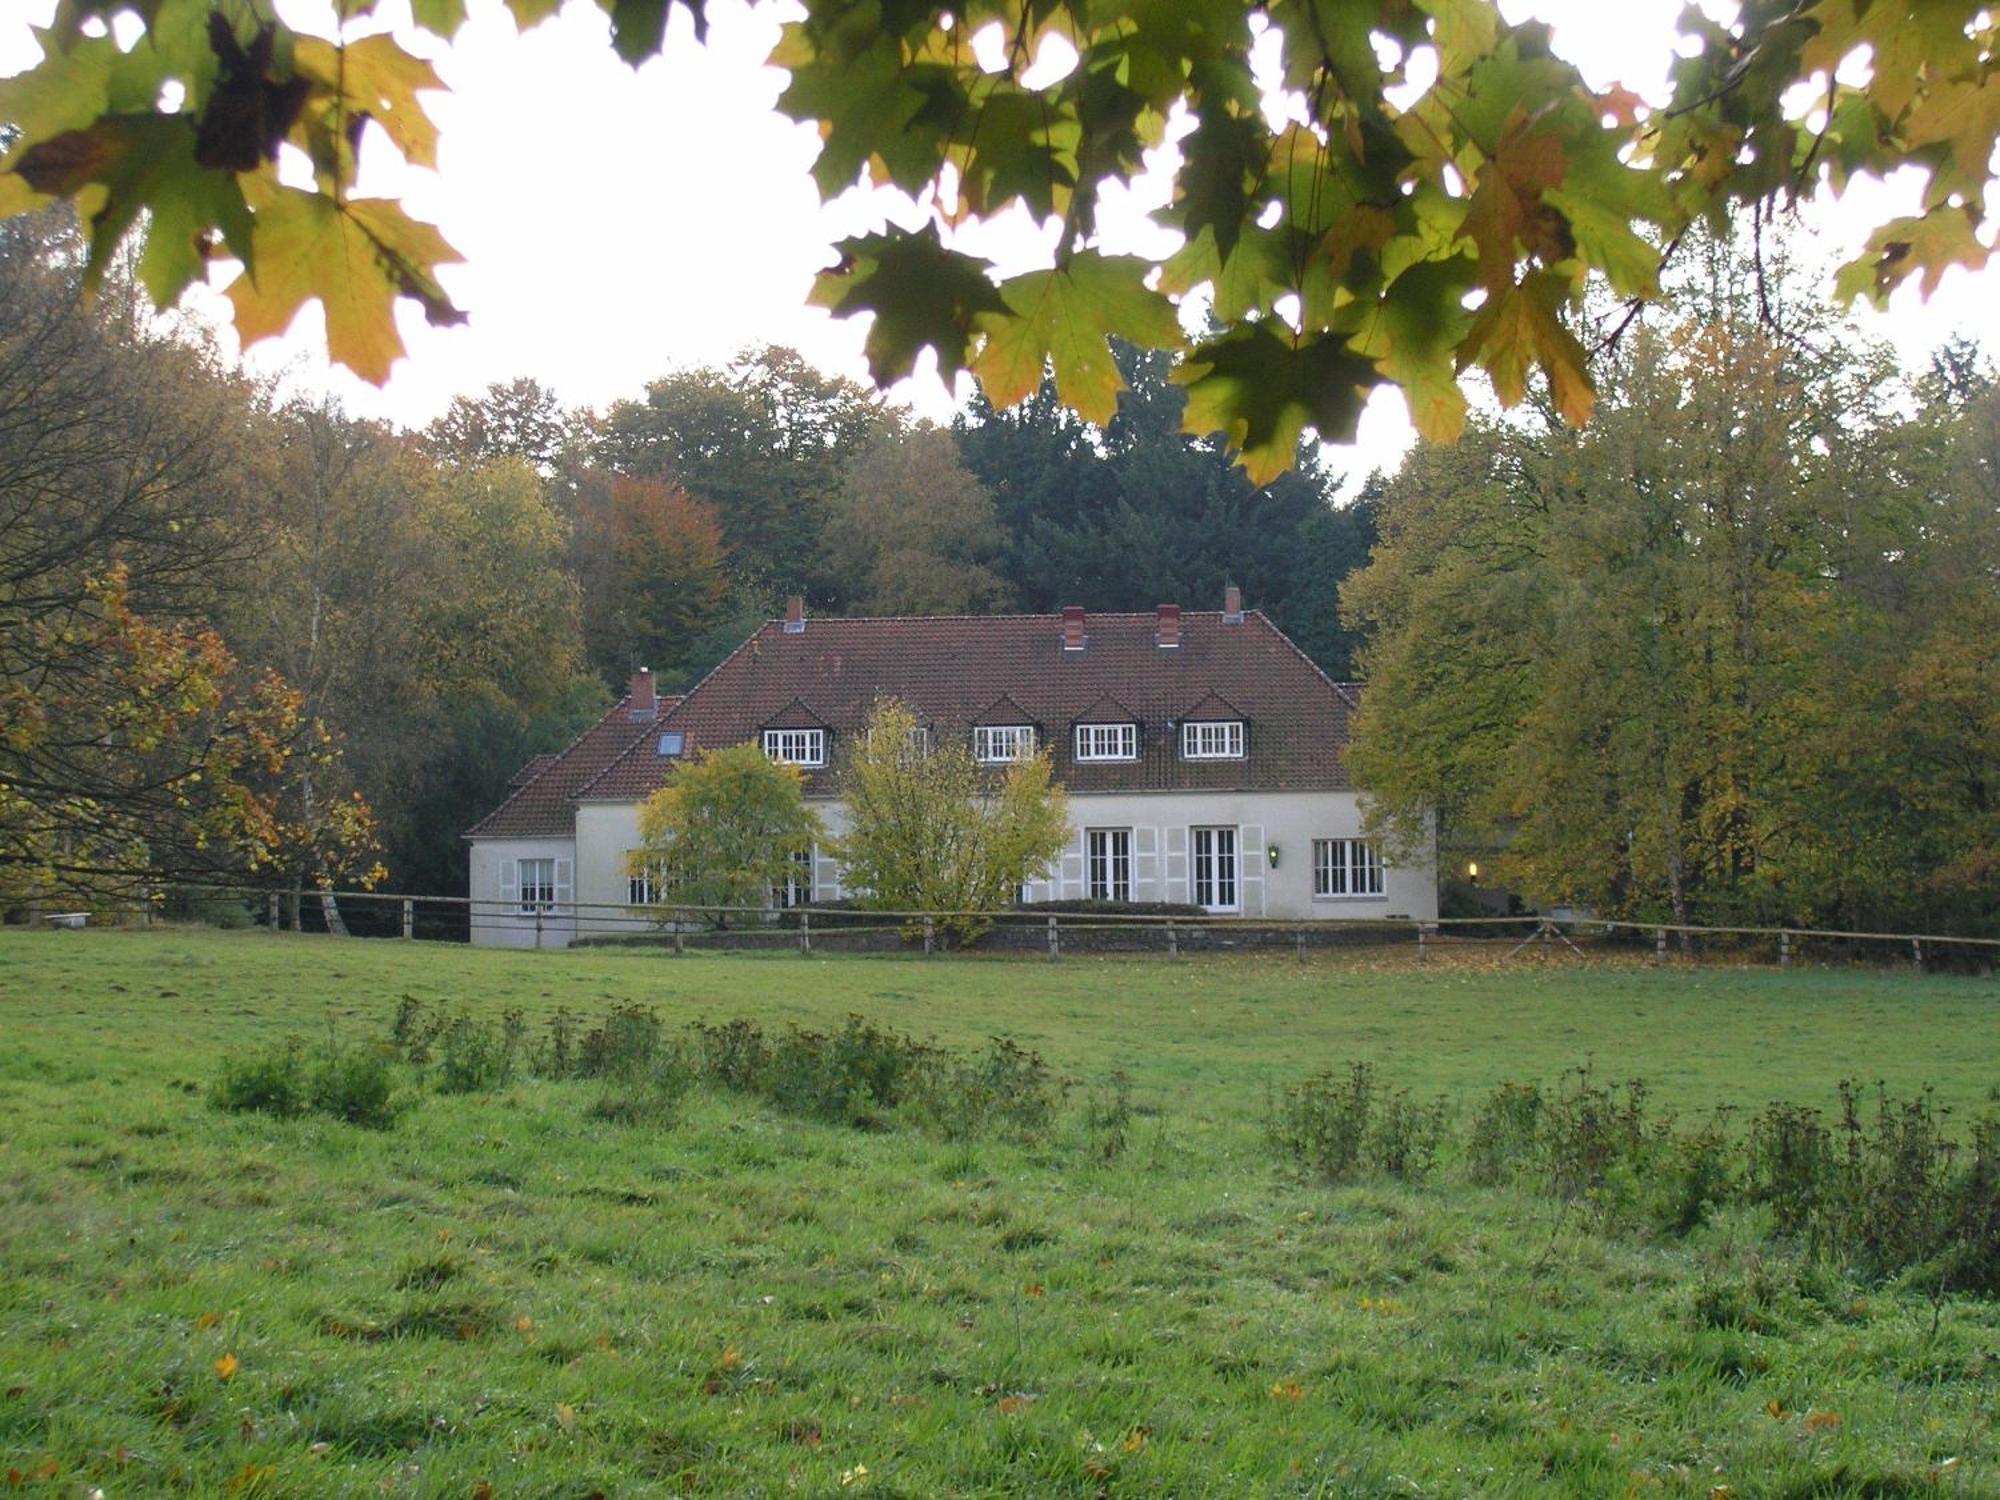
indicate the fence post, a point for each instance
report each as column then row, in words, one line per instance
column 409, row 918
column 538, row 924
column 1917, row 954
column 1422, row 953
column 680, row 931
column 274, row 911
column 1659, row 945
column 1785, row 948
column 1055, row 943
column 805, row 932
column 1299, row 943
column 1173, row 940
column 927, row 934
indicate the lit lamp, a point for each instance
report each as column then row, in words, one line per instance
column 1273, row 852
column 1472, row 871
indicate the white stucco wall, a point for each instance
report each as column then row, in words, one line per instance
column 1160, row 824
column 498, row 920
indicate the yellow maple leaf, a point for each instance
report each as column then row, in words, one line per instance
column 226, row 1367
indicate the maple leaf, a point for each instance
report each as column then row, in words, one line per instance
column 1965, row 116
column 1932, row 243
column 1412, row 333
column 1261, row 389
column 922, row 294
column 1506, row 208
column 226, row 1367
column 128, row 164
column 1523, row 326
column 356, row 258
column 1067, row 315
column 377, row 78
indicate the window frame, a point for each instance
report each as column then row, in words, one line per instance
column 796, row 890
column 811, row 742
column 1230, row 733
column 1125, row 735
column 1348, row 869
column 544, row 898
column 1108, row 850
column 1022, row 738
column 1215, row 857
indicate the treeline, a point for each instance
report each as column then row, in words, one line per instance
column 240, row 632
column 1729, row 654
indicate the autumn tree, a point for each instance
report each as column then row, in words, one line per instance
column 650, row 561
column 134, row 745
column 762, row 442
column 911, row 532
column 520, row 418
column 1666, row 661
column 931, row 830
column 725, row 830
column 1428, row 190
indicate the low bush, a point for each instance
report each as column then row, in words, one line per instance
column 355, row 1084
column 271, row 1082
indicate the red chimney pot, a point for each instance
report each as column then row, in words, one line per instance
column 1167, row 629
column 1072, row 617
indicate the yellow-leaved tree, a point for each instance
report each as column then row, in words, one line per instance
column 725, row 831
column 932, row 830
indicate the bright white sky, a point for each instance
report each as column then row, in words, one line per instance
column 617, row 225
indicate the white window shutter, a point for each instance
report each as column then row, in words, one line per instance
column 510, row 882
column 564, row 878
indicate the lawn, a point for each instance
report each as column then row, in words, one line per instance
column 504, row 1295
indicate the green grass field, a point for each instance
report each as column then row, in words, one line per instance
column 504, row 1296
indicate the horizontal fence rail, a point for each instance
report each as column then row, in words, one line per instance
column 553, row 924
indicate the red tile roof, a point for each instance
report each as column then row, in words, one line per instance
column 953, row 670
column 543, row 802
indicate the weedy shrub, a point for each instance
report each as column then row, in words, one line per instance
column 1404, row 1138
column 1506, row 1134
column 355, row 1084
column 474, row 1056
column 555, row 1055
column 1588, row 1128
column 1107, row 1115
column 1323, row 1123
column 734, row 1055
column 271, row 1082
column 1005, row 1089
column 852, row 1075
column 627, row 1045
column 1790, row 1168
column 1690, row 1175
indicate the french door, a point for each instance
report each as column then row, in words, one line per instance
column 1215, row 869
column 1109, row 863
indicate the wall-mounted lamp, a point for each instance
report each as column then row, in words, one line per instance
column 1472, row 871
column 1273, row 852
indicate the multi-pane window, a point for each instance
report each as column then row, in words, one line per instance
column 799, row 747
column 796, row 889
column 1214, row 868
column 1212, row 739
column 1108, row 858
column 1346, row 867
column 999, row 742
column 1107, row 742
column 642, row 886
column 538, row 884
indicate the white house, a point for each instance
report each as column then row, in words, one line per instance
column 1203, row 753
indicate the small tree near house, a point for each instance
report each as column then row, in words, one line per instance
column 930, row 829
column 724, row 830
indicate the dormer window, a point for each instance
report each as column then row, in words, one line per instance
column 796, row 747
column 1107, row 742
column 994, row 743
column 1212, row 739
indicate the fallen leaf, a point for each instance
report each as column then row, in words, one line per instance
column 1034, row 1289
column 1136, row 1439
column 1009, row 1405
column 226, row 1366
column 208, row 1320
column 1776, row 1409
column 524, row 1324
column 1288, row 1390
column 1819, row 1421
column 565, row 1416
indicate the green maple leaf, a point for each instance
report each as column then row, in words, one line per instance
column 1067, row 315
column 377, row 77
column 1224, row 156
column 1523, row 326
column 1932, row 243
column 859, row 95
column 1413, row 334
column 922, row 294
column 439, row 17
column 356, row 258
column 125, row 165
column 1261, row 389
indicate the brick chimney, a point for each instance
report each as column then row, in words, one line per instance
column 1072, row 627
column 1232, row 605
column 645, row 702
column 795, row 615
column 1167, row 630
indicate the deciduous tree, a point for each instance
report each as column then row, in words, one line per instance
column 911, row 532
column 931, row 830
column 725, row 830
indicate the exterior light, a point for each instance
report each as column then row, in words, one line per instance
column 1273, row 852
column 1472, row 871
